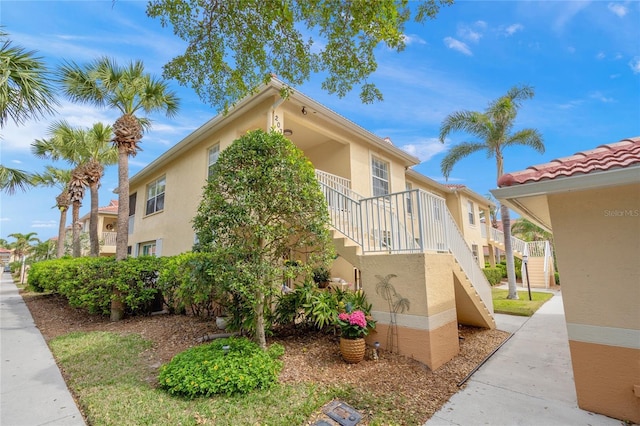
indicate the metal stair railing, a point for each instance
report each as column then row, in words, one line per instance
column 405, row 222
column 465, row 258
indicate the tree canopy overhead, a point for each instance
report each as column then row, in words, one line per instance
column 234, row 46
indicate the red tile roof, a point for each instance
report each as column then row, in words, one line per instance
column 617, row 155
column 111, row 208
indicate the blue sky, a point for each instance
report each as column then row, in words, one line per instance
column 582, row 58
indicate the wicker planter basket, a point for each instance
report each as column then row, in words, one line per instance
column 353, row 350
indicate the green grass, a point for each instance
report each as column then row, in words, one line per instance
column 115, row 385
column 522, row 306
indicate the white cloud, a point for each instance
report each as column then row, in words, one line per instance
column 44, row 224
column 570, row 104
column 513, row 28
column 601, row 97
column 458, row 45
column 613, row 76
column 635, row 65
column 481, row 24
column 425, row 149
column 413, row 39
column 469, row 34
column 571, row 49
column 569, row 10
column 618, row 9
column 600, row 55
column 16, row 161
column 4, row 219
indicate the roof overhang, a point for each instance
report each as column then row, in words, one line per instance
column 273, row 90
column 530, row 199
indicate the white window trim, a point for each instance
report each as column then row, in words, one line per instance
column 471, row 212
column 209, row 163
column 147, row 198
column 388, row 167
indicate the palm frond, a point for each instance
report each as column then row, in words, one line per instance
column 12, row 180
column 472, row 122
column 457, row 153
column 527, row 137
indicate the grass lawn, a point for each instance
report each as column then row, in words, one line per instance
column 115, row 386
column 523, row 306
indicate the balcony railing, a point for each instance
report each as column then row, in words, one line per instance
column 404, row 222
column 109, row 238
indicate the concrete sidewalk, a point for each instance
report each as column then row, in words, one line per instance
column 528, row 381
column 32, row 390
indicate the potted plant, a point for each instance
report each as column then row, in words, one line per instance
column 354, row 326
column 321, row 277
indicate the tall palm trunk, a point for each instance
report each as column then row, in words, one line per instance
column 62, row 201
column 75, row 229
column 511, row 270
column 122, row 233
column 94, row 238
column 93, row 173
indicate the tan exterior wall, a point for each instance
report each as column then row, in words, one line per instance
column 427, row 331
column 597, row 239
column 605, row 377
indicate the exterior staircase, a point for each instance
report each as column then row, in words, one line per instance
column 413, row 221
column 540, row 265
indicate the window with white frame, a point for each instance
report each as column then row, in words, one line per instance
column 148, row 248
column 214, row 154
column 408, row 187
column 471, row 211
column 155, row 196
column 380, row 173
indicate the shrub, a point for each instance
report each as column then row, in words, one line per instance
column 494, row 275
column 194, row 281
column 88, row 282
column 557, row 276
column 208, row 369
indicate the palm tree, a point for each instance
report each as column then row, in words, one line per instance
column 59, row 178
column 23, row 243
column 529, row 231
column 12, row 180
column 493, row 128
column 25, row 89
column 88, row 150
column 130, row 90
column 25, row 92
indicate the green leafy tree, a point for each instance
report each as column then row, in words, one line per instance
column 60, row 179
column 493, row 130
column 25, row 92
column 234, row 46
column 88, row 150
column 44, row 250
column 261, row 206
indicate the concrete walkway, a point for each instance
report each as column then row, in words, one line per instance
column 32, row 390
column 528, row 381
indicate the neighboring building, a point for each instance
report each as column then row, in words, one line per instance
column 591, row 202
column 107, row 222
column 6, row 256
column 387, row 219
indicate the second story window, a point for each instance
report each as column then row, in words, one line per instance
column 214, row 154
column 155, row 196
column 380, row 173
column 409, row 187
column 472, row 215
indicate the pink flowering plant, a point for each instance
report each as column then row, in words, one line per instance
column 354, row 324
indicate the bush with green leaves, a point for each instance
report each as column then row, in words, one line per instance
column 210, row 369
column 494, row 275
column 195, row 281
column 311, row 306
column 87, row 282
column 557, row 277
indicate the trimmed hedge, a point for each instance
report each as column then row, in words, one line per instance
column 88, row 282
column 494, row 275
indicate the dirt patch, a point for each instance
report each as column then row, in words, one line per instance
column 410, row 387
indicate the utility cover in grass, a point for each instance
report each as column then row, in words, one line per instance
column 226, row 366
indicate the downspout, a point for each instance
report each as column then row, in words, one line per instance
column 271, row 116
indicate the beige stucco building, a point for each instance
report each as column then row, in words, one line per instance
column 107, row 222
column 387, row 219
column 591, row 202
